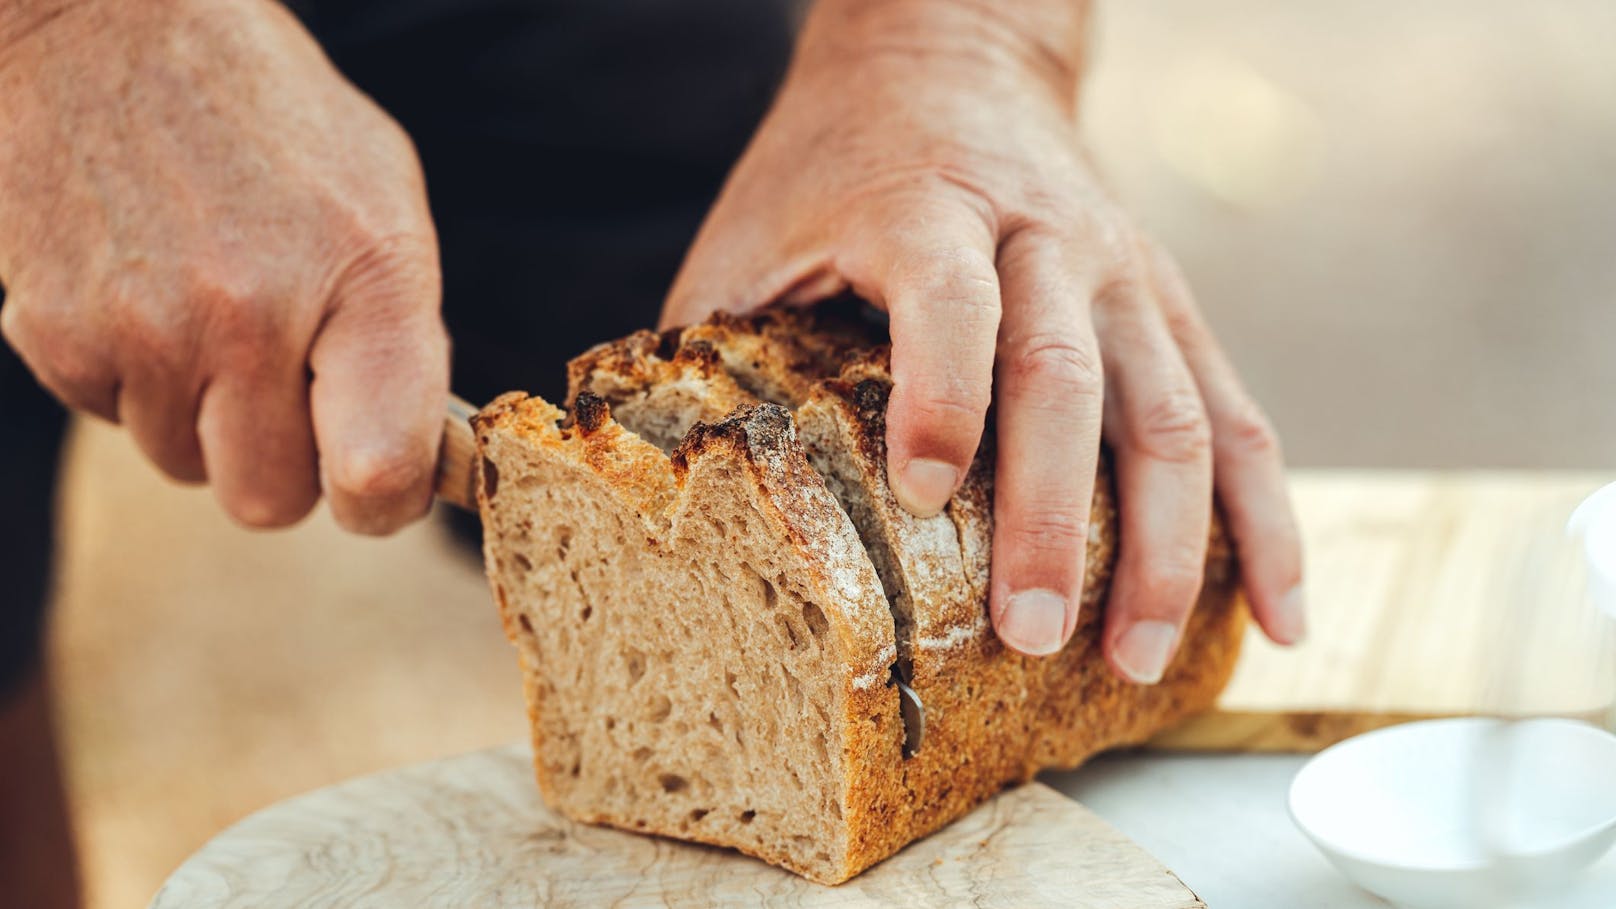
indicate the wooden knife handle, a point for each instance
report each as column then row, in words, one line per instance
column 457, row 457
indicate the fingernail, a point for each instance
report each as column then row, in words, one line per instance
column 1142, row 651
column 1290, row 617
column 924, row 486
column 1033, row 622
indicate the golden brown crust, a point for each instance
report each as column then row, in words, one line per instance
column 994, row 716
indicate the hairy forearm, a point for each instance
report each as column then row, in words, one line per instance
column 1047, row 39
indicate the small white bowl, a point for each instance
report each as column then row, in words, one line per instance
column 1462, row 812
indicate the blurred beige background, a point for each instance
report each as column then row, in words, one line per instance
column 1400, row 215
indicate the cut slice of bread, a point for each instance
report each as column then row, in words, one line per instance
column 714, row 594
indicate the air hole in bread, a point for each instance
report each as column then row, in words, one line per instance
column 790, row 632
column 699, row 813
column 576, row 768
column 747, row 816
column 641, row 754
column 490, row 479
column 525, row 622
column 611, row 723
column 771, row 597
column 715, row 722
column 635, row 661
column 523, row 561
column 672, row 782
column 660, row 707
column 815, row 617
column 563, row 542
column 729, row 682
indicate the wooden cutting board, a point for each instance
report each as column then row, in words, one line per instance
column 1430, row 594
column 472, row 831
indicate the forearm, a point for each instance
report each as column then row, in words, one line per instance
column 1047, row 39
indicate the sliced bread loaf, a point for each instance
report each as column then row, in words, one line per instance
column 714, row 596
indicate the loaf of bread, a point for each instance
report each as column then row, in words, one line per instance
column 720, row 609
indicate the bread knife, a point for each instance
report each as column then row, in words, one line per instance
column 457, row 456
column 456, row 483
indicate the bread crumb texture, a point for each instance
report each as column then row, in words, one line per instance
column 712, row 592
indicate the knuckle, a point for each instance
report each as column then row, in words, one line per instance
column 960, row 274
column 11, row 323
column 236, row 314
column 235, row 301
column 945, row 402
column 147, row 339
column 1250, row 433
column 1108, row 231
column 1048, row 530
column 1164, row 265
column 1184, row 325
column 1059, row 366
column 68, row 369
column 24, row 328
column 1174, row 428
column 1126, row 284
column 379, row 477
column 401, row 262
column 1171, row 583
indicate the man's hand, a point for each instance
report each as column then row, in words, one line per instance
column 207, row 235
column 924, row 153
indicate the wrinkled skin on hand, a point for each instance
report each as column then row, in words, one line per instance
column 209, row 236
column 945, row 181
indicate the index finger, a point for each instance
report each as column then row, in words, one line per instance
column 934, row 272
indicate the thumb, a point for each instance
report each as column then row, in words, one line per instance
column 381, row 382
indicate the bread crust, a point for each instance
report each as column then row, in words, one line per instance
column 746, row 388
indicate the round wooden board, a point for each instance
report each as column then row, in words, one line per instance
column 472, row 831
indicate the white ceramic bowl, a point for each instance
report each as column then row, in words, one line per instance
column 1594, row 522
column 1462, row 812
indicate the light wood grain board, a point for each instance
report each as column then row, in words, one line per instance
column 472, row 831
column 1430, row 594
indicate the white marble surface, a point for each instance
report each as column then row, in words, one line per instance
column 1220, row 822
